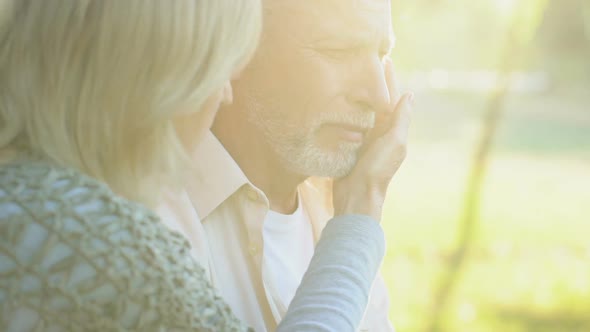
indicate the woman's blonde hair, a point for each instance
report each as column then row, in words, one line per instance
column 94, row 84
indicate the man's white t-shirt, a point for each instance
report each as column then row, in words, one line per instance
column 288, row 249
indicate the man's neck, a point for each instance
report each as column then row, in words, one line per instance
column 256, row 159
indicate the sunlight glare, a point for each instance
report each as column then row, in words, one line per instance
column 505, row 6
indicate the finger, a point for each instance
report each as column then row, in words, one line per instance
column 393, row 136
column 386, row 122
column 383, row 123
column 402, row 117
column 390, row 79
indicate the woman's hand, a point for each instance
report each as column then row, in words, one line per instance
column 363, row 190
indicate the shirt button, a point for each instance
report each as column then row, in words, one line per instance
column 252, row 195
column 253, row 250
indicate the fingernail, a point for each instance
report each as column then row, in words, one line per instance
column 411, row 97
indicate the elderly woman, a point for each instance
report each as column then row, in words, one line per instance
column 99, row 102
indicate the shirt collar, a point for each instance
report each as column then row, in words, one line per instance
column 215, row 176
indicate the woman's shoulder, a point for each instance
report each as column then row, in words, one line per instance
column 66, row 239
column 56, row 196
column 32, row 182
column 64, row 199
column 47, row 191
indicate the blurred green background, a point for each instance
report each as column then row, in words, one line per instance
column 527, row 267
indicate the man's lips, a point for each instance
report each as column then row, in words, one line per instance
column 347, row 132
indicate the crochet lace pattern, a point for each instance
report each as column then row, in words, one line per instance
column 74, row 256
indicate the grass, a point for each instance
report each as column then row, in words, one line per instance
column 530, row 267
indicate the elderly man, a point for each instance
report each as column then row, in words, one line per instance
column 302, row 108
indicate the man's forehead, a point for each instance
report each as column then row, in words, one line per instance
column 341, row 8
column 359, row 4
column 373, row 3
column 344, row 16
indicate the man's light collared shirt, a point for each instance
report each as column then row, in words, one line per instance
column 222, row 215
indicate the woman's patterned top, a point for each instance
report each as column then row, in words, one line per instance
column 76, row 257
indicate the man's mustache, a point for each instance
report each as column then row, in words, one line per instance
column 361, row 120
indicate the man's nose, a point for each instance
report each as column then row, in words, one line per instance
column 371, row 91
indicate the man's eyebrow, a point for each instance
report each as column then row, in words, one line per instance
column 357, row 34
column 359, row 39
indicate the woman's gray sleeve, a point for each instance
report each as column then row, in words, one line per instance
column 335, row 289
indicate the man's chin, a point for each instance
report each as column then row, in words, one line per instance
column 331, row 166
column 342, row 170
column 314, row 160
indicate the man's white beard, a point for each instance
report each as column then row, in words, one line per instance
column 306, row 158
column 298, row 151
